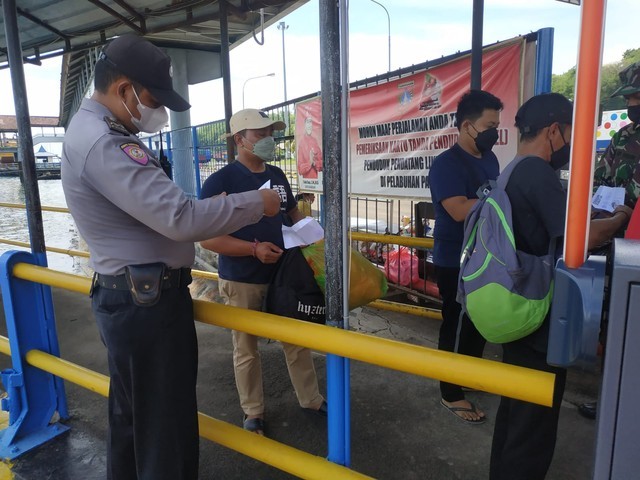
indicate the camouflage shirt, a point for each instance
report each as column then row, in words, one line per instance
column 619, row 166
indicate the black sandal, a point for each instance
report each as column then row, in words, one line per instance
column 255, row 425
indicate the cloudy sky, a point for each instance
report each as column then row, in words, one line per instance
column 420, row 30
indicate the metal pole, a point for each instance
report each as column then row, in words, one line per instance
column 334, row 193
column 253, row 78
column 544, row 61
column 25, row 144
column 388, row 30
column 283, row 26
column 30, row 179
column 226, row 75
column 476, row 44
column 583, row 139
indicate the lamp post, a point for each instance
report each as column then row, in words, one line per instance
column 388, row 30
column 253, row 78
column 283, row 26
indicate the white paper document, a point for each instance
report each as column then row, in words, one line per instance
column 608, row 198
column 305, row 232
column 265, row 185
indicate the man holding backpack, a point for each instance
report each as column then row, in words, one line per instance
column 454, row 179
column 248, row 258
column 525, row 434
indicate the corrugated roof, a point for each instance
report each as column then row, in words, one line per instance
column 8, row 122
column 50, row 28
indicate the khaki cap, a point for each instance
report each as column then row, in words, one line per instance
column 252, row 119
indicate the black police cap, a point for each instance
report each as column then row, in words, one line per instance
column 140, row 60
column 543, row 110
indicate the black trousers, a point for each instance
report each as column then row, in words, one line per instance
column 153, row 363
column 457, row 333
column 524, row 437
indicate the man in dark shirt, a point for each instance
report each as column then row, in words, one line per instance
column 525, row 434
column 454, row 178
column 247, row 260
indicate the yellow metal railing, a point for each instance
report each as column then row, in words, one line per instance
column 379, row 304
column 490, row 376
column 517, row 382
column 276, row 454
column 66, row 251
column 43, row 208
column 359, row 236
column 392, row 239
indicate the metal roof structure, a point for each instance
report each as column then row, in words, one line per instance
column 78, row 28
column 8, row 123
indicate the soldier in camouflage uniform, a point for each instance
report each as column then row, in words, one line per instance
column 619, row 166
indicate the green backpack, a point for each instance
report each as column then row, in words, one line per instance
column 505, row 292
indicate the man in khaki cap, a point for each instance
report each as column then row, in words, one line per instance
column 247, row 259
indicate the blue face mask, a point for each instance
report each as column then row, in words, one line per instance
column 265, row 148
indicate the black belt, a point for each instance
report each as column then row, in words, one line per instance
column 173, row 278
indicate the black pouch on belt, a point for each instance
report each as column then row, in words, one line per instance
column 145, row 282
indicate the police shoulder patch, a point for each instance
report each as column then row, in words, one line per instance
column 116, row 126
column 135, row 152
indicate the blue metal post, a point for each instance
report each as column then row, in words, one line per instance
column 334, row 82
column 337, row 399
column 33, row 397
column 544, row 61
column 196, row 160
column 31, row 191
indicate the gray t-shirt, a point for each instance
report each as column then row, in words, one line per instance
column 127, row 210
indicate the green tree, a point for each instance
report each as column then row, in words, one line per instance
column 564, row 83
column 609, row 81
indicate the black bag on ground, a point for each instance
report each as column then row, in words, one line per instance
column 293, row 291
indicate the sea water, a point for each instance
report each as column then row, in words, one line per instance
column 59, row 228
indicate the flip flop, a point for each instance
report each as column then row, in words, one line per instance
column 472, row 409
column 255, row 425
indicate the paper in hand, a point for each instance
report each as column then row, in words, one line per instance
column 266, row 185
column 608, row 198
column 305, row 232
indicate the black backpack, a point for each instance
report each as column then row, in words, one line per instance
column 293, row 291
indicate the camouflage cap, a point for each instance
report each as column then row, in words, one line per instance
column 630, row 79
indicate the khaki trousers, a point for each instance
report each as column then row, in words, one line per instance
column 246, row 357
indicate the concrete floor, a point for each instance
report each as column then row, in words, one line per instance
column 399, row 430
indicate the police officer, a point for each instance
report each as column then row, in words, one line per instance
column 140, row 228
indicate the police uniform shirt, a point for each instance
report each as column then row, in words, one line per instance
column 125, row 207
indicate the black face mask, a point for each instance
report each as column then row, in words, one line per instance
column 560, row 157
column 634, row 113
column 486, row 140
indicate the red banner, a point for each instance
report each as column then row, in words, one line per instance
column 399, row 127
column 309, row 144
